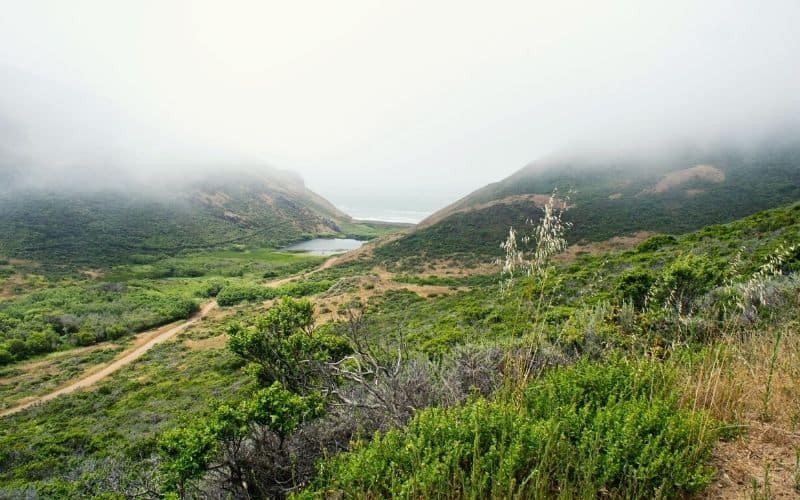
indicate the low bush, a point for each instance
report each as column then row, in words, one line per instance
column 53, row 318
column 593, row 427
column 5, row 357
column 634, row 286
column 232, row 294
column 303, row 288
column 653, row 243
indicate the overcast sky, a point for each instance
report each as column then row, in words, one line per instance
column 383, row 104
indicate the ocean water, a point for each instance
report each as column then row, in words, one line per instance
column 387, row 215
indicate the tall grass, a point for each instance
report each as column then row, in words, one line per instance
column 547, row 239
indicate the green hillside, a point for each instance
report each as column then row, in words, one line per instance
column 657, row 354
column 365, row 377
column 608, row 197
column 98, row 227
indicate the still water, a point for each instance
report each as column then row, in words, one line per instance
column 324, row 246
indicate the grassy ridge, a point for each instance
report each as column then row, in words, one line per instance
column 610, row 200
column 98, row 229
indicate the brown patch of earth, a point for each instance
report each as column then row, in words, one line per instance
column 615, row 244
column 707, row 173
column 217, row 342
column 92, row 273
column 7, row 286
column 362, row 289
column 765, row 452
column 537, row 199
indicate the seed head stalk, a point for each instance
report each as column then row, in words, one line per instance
column 548, row 239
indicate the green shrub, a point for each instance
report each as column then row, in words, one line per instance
column 610, row 427
column 17, row 347
column 38, row 343
column 187, row 452
column 5, row 357
column 634, row 286
column 211, row 289
column 303, row 288
column 283, row 345
column 115, row 331
column 84, row 338
column 653, row 243
column 445, row 335
column 686, row 279
column 232, row 294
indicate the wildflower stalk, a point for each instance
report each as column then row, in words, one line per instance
column 765, row 416
column 548, row 237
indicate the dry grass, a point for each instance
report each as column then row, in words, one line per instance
column 754, row 382
column 92, row 273
column 615, row 244
column 217, row 342
column 706, row 173
column 450, row 268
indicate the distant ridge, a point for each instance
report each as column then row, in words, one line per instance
column 611, row 195
column 108, row 224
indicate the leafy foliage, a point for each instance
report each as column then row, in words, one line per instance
column 82, row 315
column 236, row 293
column 590, row 428
column 283, row 343
column 586, row 392
column 188, row 451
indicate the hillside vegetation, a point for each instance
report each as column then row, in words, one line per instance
column 624, row 373
column 612, row 195
column 97, row 227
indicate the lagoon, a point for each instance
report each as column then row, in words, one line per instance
column 325, row 246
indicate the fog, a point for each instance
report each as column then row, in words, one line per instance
column 380, row 106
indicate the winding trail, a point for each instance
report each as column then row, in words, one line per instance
column 145, row 341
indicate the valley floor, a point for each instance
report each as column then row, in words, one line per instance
column 142, row 343
column 90, row 420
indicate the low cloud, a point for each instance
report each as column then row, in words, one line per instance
column 415, row 104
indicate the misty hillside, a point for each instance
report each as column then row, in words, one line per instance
column 94, row 226
column 613, row 195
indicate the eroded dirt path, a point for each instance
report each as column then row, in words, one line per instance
column 144, row 342
column 380, row 282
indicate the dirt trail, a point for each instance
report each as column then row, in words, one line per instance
column 143, row 343
column 147, row 340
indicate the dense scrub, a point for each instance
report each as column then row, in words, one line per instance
column 479, row 393
column 54, row 311
column 614, row 427
column 237, row 293
column 82, row 315
column 102, row 441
